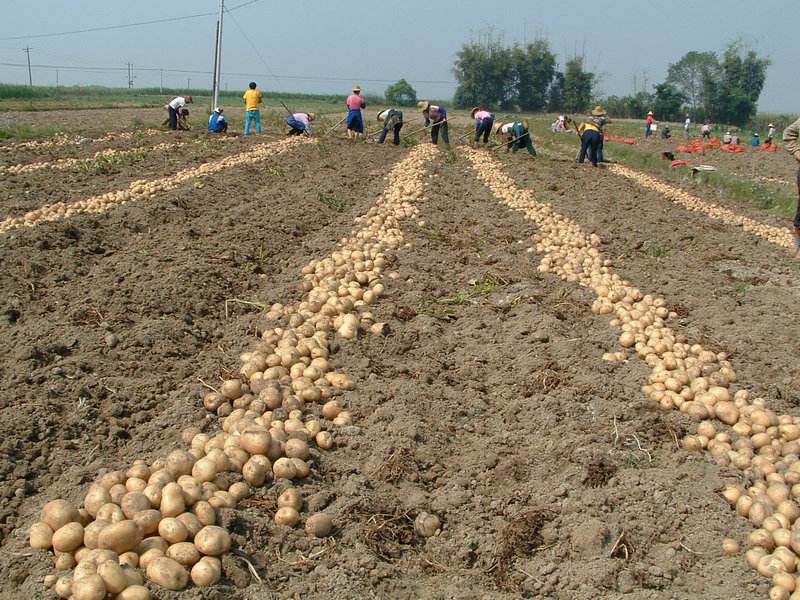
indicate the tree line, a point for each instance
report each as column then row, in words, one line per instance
column 710, row 87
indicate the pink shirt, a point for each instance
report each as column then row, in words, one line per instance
column 483, row 114
column 355, row 101
column 302, row 117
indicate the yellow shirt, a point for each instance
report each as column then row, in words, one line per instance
column 252, row 99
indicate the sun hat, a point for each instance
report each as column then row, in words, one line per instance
column 525, row 123
column 356, row 88
column 189, row 100
column 650, row 113
column 310, row 116
column 423, row 104
column 599, row 111
column 770, row 125
column 474, row 110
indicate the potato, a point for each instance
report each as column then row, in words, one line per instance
column 291, row 497
column 134, row 592
column 63, row 587
column 319, row 525
column 149, row 556
column 205, row 513
column 255, row 470
column 90, row 587
column 173, row 530
column 295, row 448
column 172, row 501
column 148, row 520
column 129, row 559
column 212, row 540
column 41, row 536
column 184, row 553
column 284, row 468
column 167, row 573
column 134, row 502
column 152, row 542
column 191, row 522
column 65, row 561
column 287, row 516
column 239, row 490
column 133, row 575
column 68, row 538
column 57, row 513
column 207, row 571
column 113, row 576
column 121, row 537
column 110, row 512
column 204, row 470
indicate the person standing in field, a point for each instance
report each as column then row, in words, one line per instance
column 686, row 125
column 392, row 121
column 355, row 121
column 706, row 135
column 648, row 131
column 791, row 141
column 300, row 123
column 770, row 133
column 436, row 119
column 252, row 99
column 517, row 136
column 175, row 107
column 484, row 120
column 217, row 123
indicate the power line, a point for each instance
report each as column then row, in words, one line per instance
column 124, row 25
column 100, row 69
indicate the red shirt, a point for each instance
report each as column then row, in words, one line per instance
column 355, row 102
column 650, row 119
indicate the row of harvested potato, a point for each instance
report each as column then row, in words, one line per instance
column 161, row 517
column 777, row 235
column 143, row 188
column 63, row 139
column 688, row 377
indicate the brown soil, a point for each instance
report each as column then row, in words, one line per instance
column 487, row 404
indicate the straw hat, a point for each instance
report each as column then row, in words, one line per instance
column 310, row 116
column 599, row 111
column 189, row 100
column 474, row 110
column 497, row 127
column 356, row 88
column 423, row 104
column 525, row 123
column 650, row 114
column 770, row 125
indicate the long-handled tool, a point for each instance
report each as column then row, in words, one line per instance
column 424, row 128
column 335, row 126
column 524, row 135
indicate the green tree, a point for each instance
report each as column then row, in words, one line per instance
column 555, row 94
column 485, row 74
column 578, row 84
column 634, row 106
column 534, row 68
column 742, row 77
column 401, row 93
column 695, row 75
column 668, row 102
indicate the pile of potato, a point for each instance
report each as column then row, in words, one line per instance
column 67, row 163
column 777, row 235
column 687, row 377
column 142, row 188
column 161, row 517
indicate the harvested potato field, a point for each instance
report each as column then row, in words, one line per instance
column 304, row 368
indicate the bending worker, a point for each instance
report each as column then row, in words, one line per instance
column 791, row 141
column 484, row 121
column 592, row 136
column 517, row 135
column 392, row 121
column 355, row 122
column 300, row 123
column 217, row 123
column 175, row 109
column 436, row 118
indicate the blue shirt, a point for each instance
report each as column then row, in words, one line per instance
column 216, row 122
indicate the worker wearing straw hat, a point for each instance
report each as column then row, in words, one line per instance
column 355, row 121
column 484, row 120
column 770, row 133
column 517, row 134
column 592, row 136
column 436, row 118
column 648, row 131
column 791, row 139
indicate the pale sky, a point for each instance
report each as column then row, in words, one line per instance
column 626, row 42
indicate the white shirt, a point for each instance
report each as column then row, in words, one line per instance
column 687, row 123
column 507, row 128
column 177, row 103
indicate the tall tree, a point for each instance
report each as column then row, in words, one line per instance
column 742, row 77
column 485, row 74
column 695, row 75
column 555, row 93
column 534, row 68
column 668, row 102
column 578, row 85
column 401, row 93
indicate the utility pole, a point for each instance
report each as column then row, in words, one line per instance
column 161, row 85
column 130, row 77
column 27, row 50
column 56, row 77
column 188, row 83
column 217, row 58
